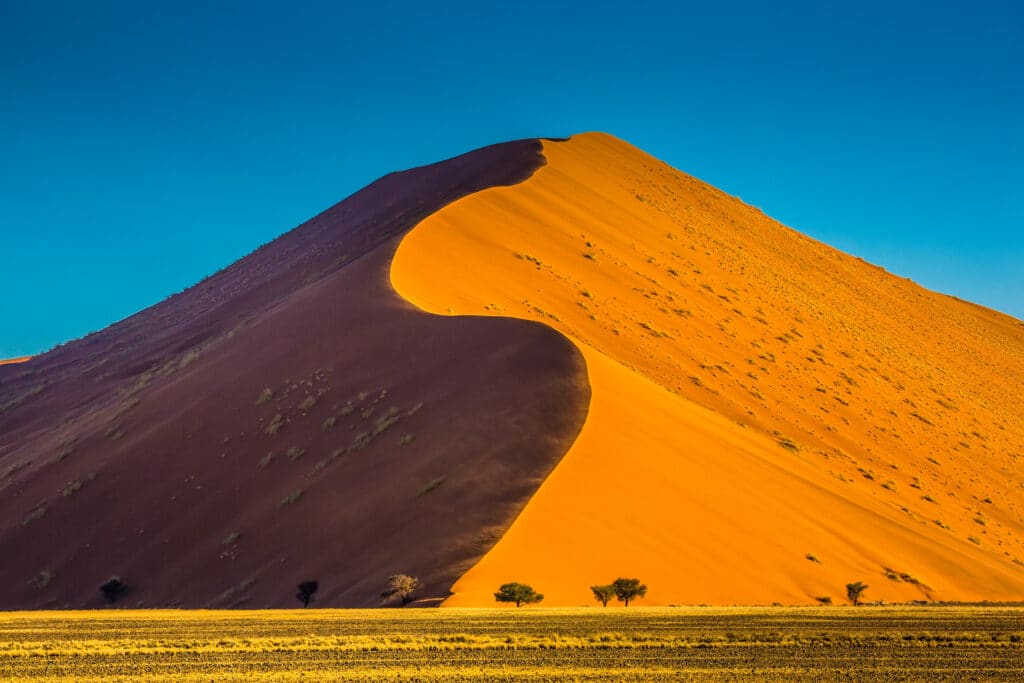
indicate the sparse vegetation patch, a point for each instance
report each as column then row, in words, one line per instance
column 874, row 645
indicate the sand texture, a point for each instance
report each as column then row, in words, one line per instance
column 770, row 418
column 288, row 418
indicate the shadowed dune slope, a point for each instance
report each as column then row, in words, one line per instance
column 770, row 419
column 289, row 418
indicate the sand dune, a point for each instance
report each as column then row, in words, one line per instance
column 770, row 418
column 288, row 418
column 632, row 374
column 12, row 361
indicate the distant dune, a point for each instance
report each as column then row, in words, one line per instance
column 770, row 418
column 554, row 362
column 12, row 361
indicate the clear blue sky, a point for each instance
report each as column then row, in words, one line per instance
column 144, row 145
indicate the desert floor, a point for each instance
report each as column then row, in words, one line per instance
column 540, row 644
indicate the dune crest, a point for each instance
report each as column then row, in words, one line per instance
column 770, row 418
column 289, row 418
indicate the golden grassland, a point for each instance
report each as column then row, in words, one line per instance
column 535, row 644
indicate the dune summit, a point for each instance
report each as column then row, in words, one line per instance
column 555, row 362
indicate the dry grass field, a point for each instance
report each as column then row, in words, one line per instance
column 583, row 644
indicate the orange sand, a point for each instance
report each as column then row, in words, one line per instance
column 757, row 397
column 11, row 361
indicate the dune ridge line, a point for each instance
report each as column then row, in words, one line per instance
column 288, row 419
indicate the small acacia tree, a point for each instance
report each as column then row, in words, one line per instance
column 854, row 590
column 628, row 589
column 306, row 591
column 519, row 593
column 113, row 589
column 401, row 586
column 603, row 593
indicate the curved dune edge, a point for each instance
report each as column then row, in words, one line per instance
column 12, row 361
column 289, row 418
column 713, row 469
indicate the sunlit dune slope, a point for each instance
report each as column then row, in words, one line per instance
column 12, row 361
column 770, row 419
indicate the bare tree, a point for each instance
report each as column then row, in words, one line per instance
column 306, row 591
column 628, row 589
column 401, row 586
column 113, row 589
column 854, row 590
column 603, row 593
